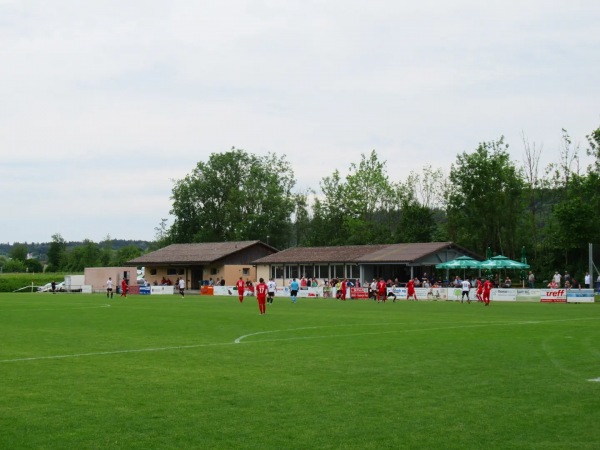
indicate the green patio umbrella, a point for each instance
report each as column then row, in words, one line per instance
column 502, row 262
column 462, row 262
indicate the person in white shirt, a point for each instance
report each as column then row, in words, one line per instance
column 271, row 288
column 466, row 287
column 109, row 288
column 181, row 285
column 557, row 278
column 587, row 280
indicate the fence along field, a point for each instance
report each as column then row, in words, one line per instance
column 81, row 371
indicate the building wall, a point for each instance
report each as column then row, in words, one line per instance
column 97, row 276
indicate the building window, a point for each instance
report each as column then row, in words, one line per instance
column 291, row 272
column 153, row 271
column 276, row 272
column 337, row 271
column 214, row 271
column 353, row 271
column 246, row 271
column 322, row 272
column 307, row 271
column 171, row 271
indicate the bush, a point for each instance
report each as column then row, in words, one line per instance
column 10, row 282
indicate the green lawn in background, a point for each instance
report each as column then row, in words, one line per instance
column 82, row 371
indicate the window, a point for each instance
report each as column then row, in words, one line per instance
column 307, row 271
column 337, row 271
column 214, row 271
column 153, row 271
column 322, row 272
column 353, row 271
column 291, row 272
column 246, row 271
column 171, row 271
column 276, row 271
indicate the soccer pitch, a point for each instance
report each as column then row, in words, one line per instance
column 160, row 372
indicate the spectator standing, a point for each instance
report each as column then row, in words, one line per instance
column 587, row 280
column 557, row 278
column 531, row 280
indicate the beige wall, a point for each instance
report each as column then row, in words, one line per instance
column 233, row 273
column 97, row 276
column 230, row 273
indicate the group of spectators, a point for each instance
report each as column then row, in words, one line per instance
column 565, row 281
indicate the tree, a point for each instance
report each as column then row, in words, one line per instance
column 368, row 200
column 125, row 254
column 485, row 200
column 85, row 255
column 19, row 252
column 234, row 196
column 56, row 253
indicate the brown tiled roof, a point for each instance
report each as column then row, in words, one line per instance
column 399, row 253
column 347, row 253
column 383, row 253
column 203, row 253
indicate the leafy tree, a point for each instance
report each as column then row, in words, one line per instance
column 106, row 252
column 328, row 225
column 14, row 266
column 594, row 149
column 234, row 196
column 33, row 265
column 485, row 200
column 126, row 254
column 19, row 252
column 368, row 199
column 56, row 253
column 162, row 237
column 85, row 255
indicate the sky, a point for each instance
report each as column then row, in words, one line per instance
column 104, row 104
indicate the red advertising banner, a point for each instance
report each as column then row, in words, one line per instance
column 361, row 293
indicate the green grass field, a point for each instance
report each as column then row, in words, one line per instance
column 83, row 372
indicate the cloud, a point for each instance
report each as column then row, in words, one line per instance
column 111, row 101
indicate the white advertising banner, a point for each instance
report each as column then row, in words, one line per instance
column 529, row 295
column 162, row 290
column 504, row 295
column 553, row 296
column 580, row 296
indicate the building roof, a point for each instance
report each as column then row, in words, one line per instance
column 405, row 253
column 202, row 253
column 367, row 254
column 346, row 253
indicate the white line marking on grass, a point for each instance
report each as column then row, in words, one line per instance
column 60, row 309
column 113, row 352
column 597, row 380
column 475, row 325
column 240, row 340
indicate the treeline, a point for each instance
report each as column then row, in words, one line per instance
column 486, row 201
column 62, row 256
column 547, row 214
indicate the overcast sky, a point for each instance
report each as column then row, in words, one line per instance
column 104, row 103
